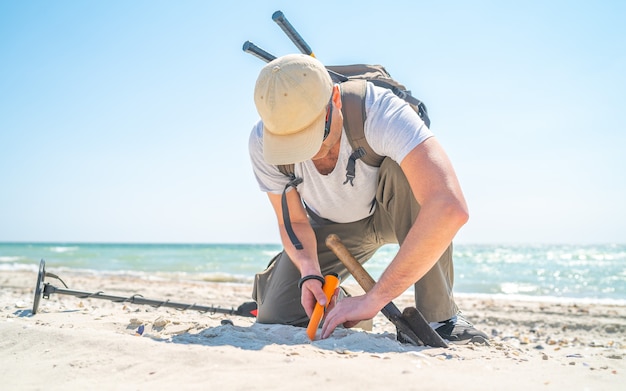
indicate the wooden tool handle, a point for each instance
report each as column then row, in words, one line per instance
column 354, row 267
column 411, row 322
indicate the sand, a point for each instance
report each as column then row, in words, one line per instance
column 75, row 343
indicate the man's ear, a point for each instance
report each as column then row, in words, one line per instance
column 337, row 96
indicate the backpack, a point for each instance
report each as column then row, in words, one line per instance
column 353, row 80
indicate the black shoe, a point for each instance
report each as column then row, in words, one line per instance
column 458, row 330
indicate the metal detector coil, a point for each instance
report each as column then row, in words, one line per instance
column 39, row 286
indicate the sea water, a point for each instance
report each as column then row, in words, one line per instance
column 581, row 272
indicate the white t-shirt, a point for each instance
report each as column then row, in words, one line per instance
column 392, row 128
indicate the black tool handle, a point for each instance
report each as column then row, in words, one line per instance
column 251, row 48
column 291, row 32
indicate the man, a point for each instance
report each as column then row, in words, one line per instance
column 413, row 199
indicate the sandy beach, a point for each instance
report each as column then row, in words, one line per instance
column 74, row 343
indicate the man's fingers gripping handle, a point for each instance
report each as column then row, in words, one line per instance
column 331, row 283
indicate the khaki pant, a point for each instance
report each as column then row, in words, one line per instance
column 276, row 291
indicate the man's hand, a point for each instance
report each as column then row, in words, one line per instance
column 348, row 312
column 312, row 293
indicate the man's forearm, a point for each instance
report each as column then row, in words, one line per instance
column 426, row 241
column 305, row 259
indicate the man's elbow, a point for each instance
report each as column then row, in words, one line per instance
column 457, row 213
column 463, row 217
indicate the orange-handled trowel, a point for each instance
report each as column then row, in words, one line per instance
column 331, row 283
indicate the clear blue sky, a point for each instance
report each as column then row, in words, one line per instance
column 127, row 121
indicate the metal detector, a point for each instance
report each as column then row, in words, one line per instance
column 45, row 289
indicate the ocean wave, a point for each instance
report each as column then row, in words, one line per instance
column 62, row 249
column 17, row 267
column 542, row 298
column 7, row 259
column 513, row 288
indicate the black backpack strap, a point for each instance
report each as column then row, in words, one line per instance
column 289, row 170
column 353, row 109
column 285, row 208
column 351, row 166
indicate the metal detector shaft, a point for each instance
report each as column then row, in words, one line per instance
column 138, row 299
column 46, row 289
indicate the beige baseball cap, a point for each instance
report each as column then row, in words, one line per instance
column 291, row 96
